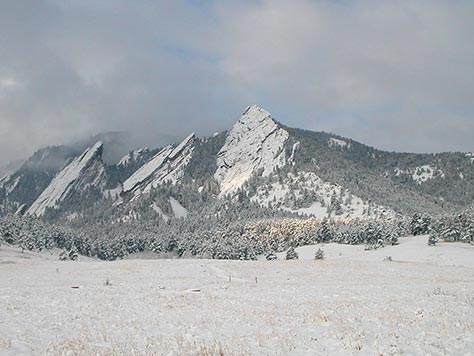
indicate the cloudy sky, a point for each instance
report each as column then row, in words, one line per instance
column 398, row 75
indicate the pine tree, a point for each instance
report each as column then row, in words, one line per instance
column 394, row 239
column 420, row 224
column 324, row 233
column 319, row 255
column 291, row 254
column 432, row 239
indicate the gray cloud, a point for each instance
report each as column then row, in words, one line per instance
column 396, row 75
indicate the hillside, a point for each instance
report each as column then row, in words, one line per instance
column 259, row 161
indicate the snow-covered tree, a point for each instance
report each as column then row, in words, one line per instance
column 432, row 239
column 319, row 255
column 291, row 254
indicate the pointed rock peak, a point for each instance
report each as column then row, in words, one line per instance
column 95, row 150
column 255, row 109
column 188, row 140
column 254, row 115
column 255, row 142
column 190, row 137
column 166, row 165
column 71, row 178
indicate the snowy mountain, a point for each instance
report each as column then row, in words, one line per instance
column 166, row 166
column 9, row 168
column 257, row 163
column 22, row 186
column 258, row 147
column 84, row 172
column 306, row 193
column 255, row 143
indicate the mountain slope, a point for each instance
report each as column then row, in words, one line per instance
column 23, row 185
column 167, row 165
column 85, row 171
column 375, row 175
column 258, row 161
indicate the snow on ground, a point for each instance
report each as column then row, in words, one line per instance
column 351, row 303
column 411, row 249
column 179, row 211
column 278, row 194
column 421, row 174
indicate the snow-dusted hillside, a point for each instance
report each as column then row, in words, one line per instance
column 9, row 168
column 84, row 172
column 167, row 165
column 280, row 167
column 351, row 303
column 421, row 174
column 25, row 181
column 254, row 143
column 306, row 193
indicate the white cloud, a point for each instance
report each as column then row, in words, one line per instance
column 397, row 75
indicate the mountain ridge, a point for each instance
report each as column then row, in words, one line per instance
column 262, row 161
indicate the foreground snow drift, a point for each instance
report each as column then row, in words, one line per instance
column 351, row 303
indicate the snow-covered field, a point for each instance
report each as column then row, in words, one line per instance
column 351, row 303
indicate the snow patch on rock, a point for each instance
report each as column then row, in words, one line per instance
column 167, row 165
column 295, row 147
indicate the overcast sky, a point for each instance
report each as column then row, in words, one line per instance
column 398, row 75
